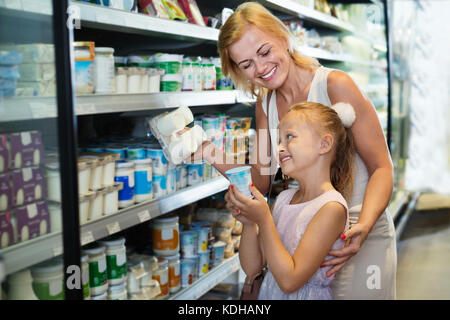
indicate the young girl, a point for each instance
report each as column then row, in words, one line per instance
column 316, row 150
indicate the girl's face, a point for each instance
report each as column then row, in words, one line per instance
column 299, row 145
column 264, row 60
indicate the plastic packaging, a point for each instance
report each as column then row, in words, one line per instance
column 195, row 264
column 162, row 276
column 96, row 176
column 188, row 240
column 195, row 173
column 136, row 153
column 111, row 198
column 159, row 161
column 85, row 277
column 241, row 178
column 174, row 273
column 98, row 275
column 96, row 205
column 165, row 236
column 83, row 206
column 170, row 63
column 48, row 280
column 121, row 151
column 159, row 186
column 154, row 80
column 143, row 180
column 104, row 70
column 192, row 11
column 203, row 237
column 203, row 267
column 116, row 260
column 198, row 76
column 20, row 286
column 84, row 67
column 125, row 174
column 188, row 77
column 121, row 80
column 187, row 272
column 218, row 252
column 171, row 182
column 171, row 83
column 101, row 296
column 118, row 292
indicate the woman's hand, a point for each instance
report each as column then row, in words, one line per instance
column 355, row 237
column 255, row 210
column 202, row 151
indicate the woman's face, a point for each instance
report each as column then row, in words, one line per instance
column 264, row 60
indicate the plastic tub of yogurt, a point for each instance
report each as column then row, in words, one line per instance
column 159, row 161
column 195, row 173
column 125, row 174
column 120, row 150
column 241, row 178
column 187, row 272
column 203, row 263
column 83, row 206
column 171, row 83
column 188, row 244
column 159, row 186
column 48, row 280
column 111, row 198
column 170, row 63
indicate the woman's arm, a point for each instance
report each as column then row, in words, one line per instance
column 371, row 145
column 292, row 272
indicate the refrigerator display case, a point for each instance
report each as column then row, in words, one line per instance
column 39, row 100
column 37, row 174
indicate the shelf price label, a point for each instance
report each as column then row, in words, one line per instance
column 87, row 237
column 144, row 216
column 113, row 228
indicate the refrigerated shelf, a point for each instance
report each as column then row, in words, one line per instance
column 208, row 281
column 26, row 254
column 28, row 108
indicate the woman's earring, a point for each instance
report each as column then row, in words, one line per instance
column 284, row 177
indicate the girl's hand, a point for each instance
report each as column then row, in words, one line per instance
column 355, row 237
column 255, row 210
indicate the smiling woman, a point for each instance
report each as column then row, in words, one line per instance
column 276, row 41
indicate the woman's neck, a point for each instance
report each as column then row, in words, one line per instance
column 297, row 84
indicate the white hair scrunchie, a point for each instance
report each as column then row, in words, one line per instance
column 345, row 112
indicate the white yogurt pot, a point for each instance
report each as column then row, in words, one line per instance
column 53, row 178
column 111, row 198
column 84, row 175
column 83, row 206
column 96, row 205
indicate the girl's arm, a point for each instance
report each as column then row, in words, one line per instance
column 292, row 272
column 371, row 145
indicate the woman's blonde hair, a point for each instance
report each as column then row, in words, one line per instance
column 326, row 120
column 252, row 13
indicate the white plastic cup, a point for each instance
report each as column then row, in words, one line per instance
column 241, row 177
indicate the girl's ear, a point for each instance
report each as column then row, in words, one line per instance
column 326, row 143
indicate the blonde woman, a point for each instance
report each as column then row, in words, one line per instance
column 259, row 54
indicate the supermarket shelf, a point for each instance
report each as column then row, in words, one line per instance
column 208, row 281
column 40, row 249
column 28, row 108
column 145, row 211
column 94, row 16
column 296, row 9
column 329, row 56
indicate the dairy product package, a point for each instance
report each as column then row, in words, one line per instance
column 5, row 191
column 34, row 52
column 33, row 220
column 174, row 10
column 154, row 8
column 10, row 57
column 6, row 230
column 36, row 88
column 37, row 71
column 28, row 185
column 176, row 141
column 4, row 153
column 9, row 72
column 26, row 149
column 192, row 11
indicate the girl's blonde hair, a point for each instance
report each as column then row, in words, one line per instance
column 326, row 120
column 252, row 13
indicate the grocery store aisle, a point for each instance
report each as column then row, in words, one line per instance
column 424, row 255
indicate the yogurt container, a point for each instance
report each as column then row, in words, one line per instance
column 171, row 183
column 98, row 163
column 111, row 198
column 143, row 179
column 84, row 202
column 187, row 272
column 118, row 292
column 181, row 176
column 241, row 178
column 174, row 273
column 120, row 150
column 96, row 205
column 165, row 236
column 102, row 296
column 48, row 280
column 125, row 174
column 159, row 186
column 211, row 125
column 159, row 161
column 195, row 264
column 195, row 173
column 218, row 252
column 162, row 276
column 170, row 63
column 188, row 243
column 136, row 153
column 171, row 83
column 116, row 260
column 98, row 274
column 203, row 267
column 203, row 237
